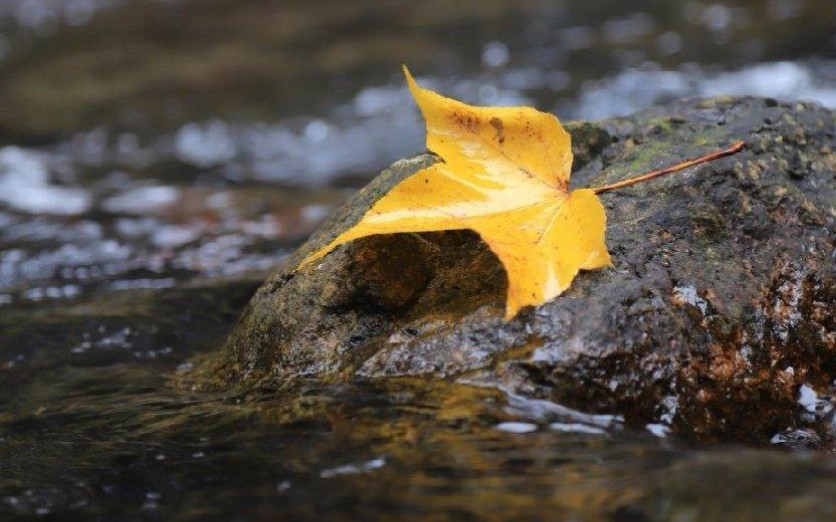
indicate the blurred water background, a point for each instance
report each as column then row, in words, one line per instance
column 183, row 137
column 159, row 157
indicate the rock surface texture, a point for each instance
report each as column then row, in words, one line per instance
column 719, row 306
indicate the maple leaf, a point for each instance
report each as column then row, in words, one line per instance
column 504, row 173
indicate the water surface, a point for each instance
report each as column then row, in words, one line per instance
column 158, row 159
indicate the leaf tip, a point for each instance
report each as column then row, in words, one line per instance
column 410, row 80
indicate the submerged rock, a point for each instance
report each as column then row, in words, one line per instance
column 719, row 306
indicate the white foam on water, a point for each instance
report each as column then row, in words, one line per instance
column 25, row 185
column 638, row 88
column 574, row 427
column 142, row 200
column 517, row 427
column 354, row 469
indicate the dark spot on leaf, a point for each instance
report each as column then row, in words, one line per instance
column 468, row 121
column 496, row 123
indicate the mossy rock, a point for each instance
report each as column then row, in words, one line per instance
column 719, row 306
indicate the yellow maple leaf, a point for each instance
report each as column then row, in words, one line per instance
column 505, row 175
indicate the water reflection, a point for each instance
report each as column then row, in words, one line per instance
column 404, row 449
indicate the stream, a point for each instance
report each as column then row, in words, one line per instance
column 159, row 158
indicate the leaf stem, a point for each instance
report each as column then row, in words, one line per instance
column 736, row 147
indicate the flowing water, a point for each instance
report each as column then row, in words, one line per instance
column 157, row 159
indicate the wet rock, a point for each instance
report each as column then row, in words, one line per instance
column 719, row 306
